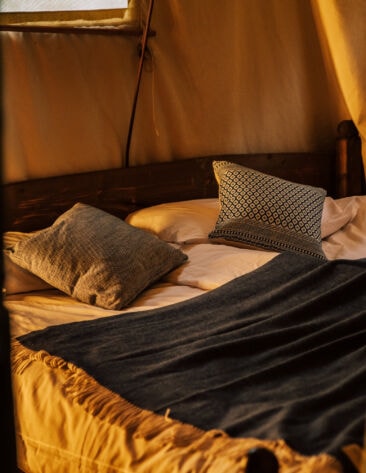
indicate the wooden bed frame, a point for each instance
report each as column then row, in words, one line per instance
column 35, row 204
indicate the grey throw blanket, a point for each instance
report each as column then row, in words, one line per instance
column 277, row 353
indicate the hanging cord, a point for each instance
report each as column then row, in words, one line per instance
column 139, row 74
column 153, row 95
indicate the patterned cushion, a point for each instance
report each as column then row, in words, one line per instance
column 267, row 212
column 96, row 257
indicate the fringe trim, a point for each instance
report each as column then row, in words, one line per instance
column 214, row 446
column 357, row 455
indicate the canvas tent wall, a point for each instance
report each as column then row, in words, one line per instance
column 219, row 77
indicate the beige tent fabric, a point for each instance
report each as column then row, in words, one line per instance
column 63, row 97
column 243, row 76
column 220, row 77
column 342, row 26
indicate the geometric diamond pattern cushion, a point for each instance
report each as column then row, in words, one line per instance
column 268, row 212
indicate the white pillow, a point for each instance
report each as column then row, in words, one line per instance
column 16, row 279
column 187, row 221
column 336, row 214
column 350, row 241
column 191, row 221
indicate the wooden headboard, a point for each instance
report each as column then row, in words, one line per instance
column 35, row 204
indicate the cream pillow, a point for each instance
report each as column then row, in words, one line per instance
column 336, row 214
column 16, row 279
column 188, row 221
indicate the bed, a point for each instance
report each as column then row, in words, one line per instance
column 204, row 315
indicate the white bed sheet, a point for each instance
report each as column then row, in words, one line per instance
column 209, row 266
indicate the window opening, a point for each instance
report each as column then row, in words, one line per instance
column 59, row 14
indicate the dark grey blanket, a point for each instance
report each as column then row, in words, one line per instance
column 278, row 353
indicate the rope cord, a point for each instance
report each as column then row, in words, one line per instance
column 139, row 74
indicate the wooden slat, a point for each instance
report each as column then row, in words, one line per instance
column 350, row 170
column 34, row 204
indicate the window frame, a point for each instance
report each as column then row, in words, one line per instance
column 122, row 20
column 23, row 6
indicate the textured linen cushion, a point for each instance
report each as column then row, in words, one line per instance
column 96, row 257
column 268, row 212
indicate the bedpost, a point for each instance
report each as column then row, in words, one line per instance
column 349, row 166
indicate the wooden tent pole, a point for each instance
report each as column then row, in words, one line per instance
column 139, row 74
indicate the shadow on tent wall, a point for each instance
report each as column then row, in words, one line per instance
column 7, row 431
